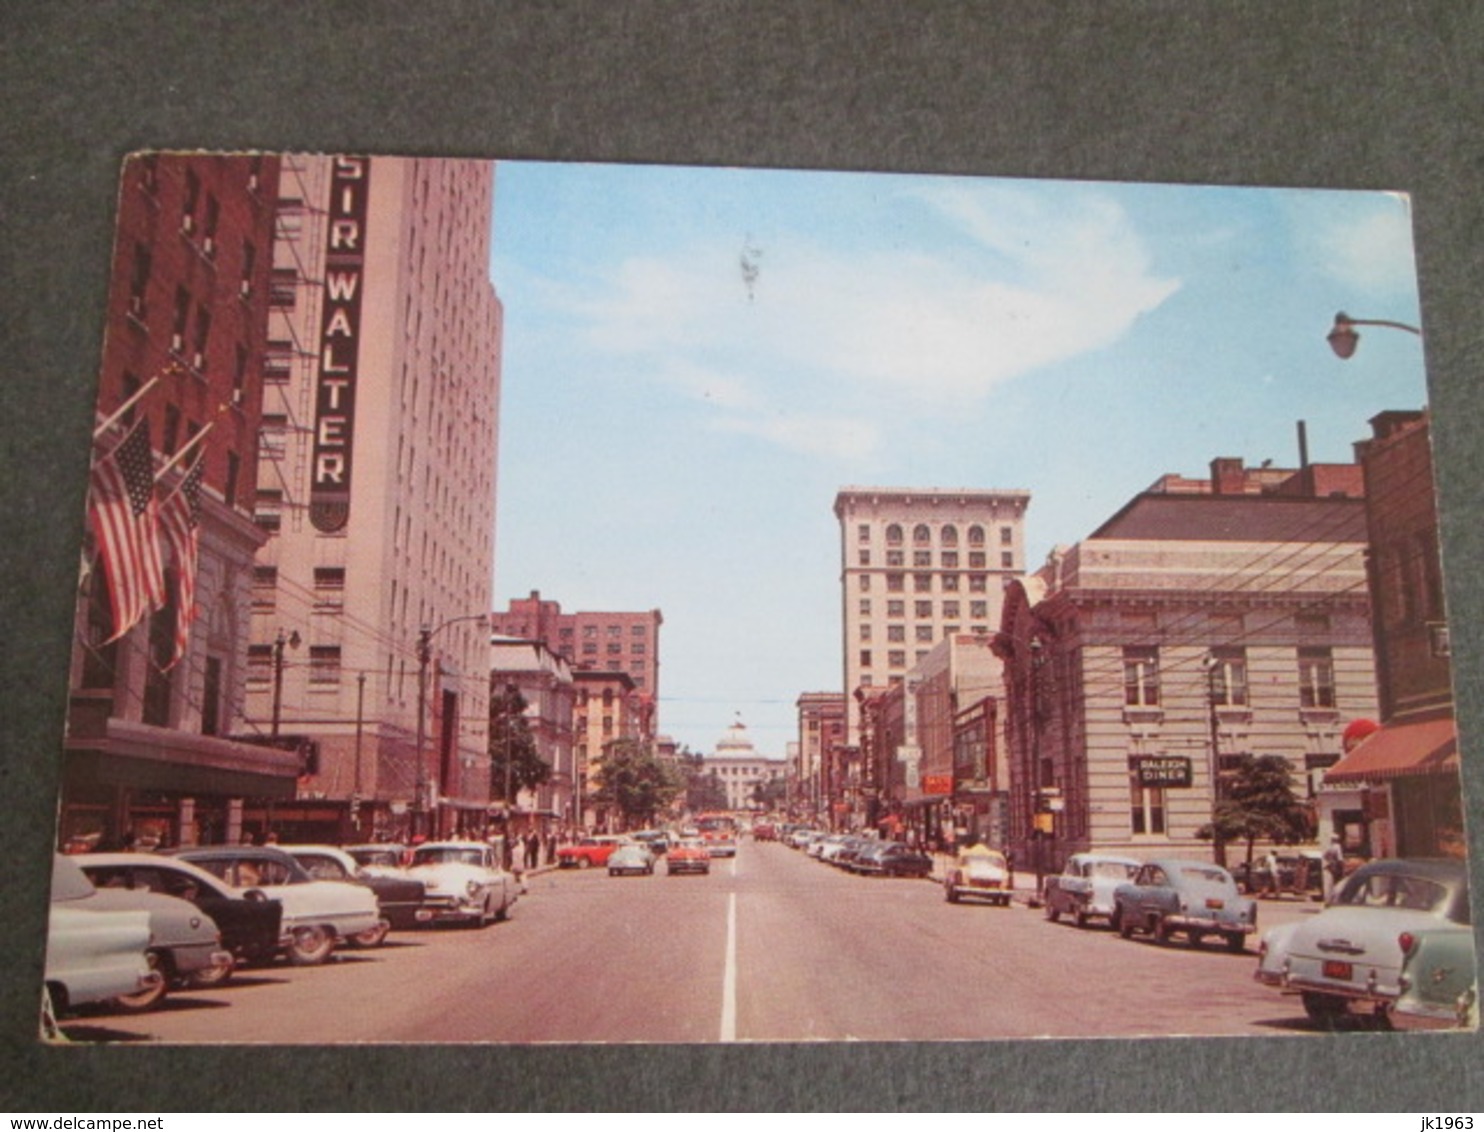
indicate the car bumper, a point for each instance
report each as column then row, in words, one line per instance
column 195, row 958
column 1210, row 924
column 1409, row 1013
column 448, row 910
column 1373, row 990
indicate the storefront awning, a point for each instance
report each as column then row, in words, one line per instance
column 1400, row 750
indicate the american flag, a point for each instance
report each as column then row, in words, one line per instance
column 180, row 516
column 125, row 521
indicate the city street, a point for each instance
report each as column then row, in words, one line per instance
column 771, row 946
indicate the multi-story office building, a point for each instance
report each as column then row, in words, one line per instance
column 916, row 565
column 1226, row 618
column 157, row 692
column 821, row 738
column 377, row 486
column 608, row 709
column 610, row 642
column 544, row 682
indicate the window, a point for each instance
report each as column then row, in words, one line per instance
column 249, row 266
column 234, row 473
column 924, row 633
column 894, row 583
column 1007, row 536
column 203, row 336
column 894, row 535
column 1316, row 678
column 1141, row 677
column 259, row 664
column 922, row 558
column 950, row 609
column 139, row 282
column 865, row 582
column 976, row 536
column 949, row 536
column 213, row 215
column 976, row 560
column 922, row 609
column 895, row 558
column 922, row 583
column 181, row 321
column 865, row 658
column 863, row 532
column 589, row 632
column 896, row 608
column 921, row 535
column 1146, row 807
column 896, row 634
column 324, row 664
column 897, row 658
column 950, row 583
column 1228, row 676
column 950, row 560
column 865, row 558
column 264, row 589
column 865, row 632
column 977, row 583
column 865, row 607
column 192, row 196
column 978, row 609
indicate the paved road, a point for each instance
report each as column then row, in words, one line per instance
column 769, row 947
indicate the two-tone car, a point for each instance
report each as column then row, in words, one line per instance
column 1350, row 957
column 464, row 881
column 93, row 954
column 688, row 855
column 589, row 852
column 400, row 898
column 317, row 915
column 1194, row 898
column 631, row 860
column 1439, row 981
column 184, row 944
column 1083, row 890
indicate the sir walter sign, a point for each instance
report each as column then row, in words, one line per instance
column 1162, row 771
column 339, row 344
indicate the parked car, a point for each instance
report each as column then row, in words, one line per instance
column 388, row 858
column 631, row 859
column 589, row 851
column 982, row 873
column 184, row 944
column 1084, row 888
column 893, row 859
column 764, row 831
column 465, row 882
column 688, row 855
column 1439, row 981
column 1300, row 872
column 657, row 841
column 93, row 954
column 1193, row 897
column 399, row 897
column 317, row 914
column 1349, row 957
column 251, row 924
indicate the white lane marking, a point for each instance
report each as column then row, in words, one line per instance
column 729, row 977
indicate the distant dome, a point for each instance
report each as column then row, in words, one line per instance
column 735, row 743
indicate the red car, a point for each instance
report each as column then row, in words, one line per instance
column 588, row 852
column 688, row 856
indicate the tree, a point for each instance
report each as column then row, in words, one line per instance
column 703, row 789
column 1259, row 803
column 771, row 793
column 511, row 741
column 635, row 783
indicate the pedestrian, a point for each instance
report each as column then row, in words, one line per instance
column 1270, row 862
column 533, row 850
column 1334, row 867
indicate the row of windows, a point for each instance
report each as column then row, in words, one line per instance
column 922, row 535
column 923, row 583
column 924, row 609
column 921, row 633
column 948, row 559
column 1227, row 677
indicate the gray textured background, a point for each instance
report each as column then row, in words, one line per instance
column 1332, row 94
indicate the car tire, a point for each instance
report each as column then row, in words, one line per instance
column 1079, row 917
column 311, row 945
column 152, row 997
column 584, row 863
column 1236, row 943
column 1053, row 913
column 372, row 937
column 213, row 976
column 949, row 894
column 1160, row 930
column 1195, row 939
column 1124, row 924
column 1324, row 1009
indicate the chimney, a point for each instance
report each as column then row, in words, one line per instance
column 1303, row 441
column 1227, row 476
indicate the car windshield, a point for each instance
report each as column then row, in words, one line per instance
column 984, row 865
column 383, row 858
column 1203, row 876
column 250, row 872
column 1394, row 890
column 1114, row 870
column 448, row 857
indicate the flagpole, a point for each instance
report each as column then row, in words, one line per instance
column 126, row 406
column 184, row 448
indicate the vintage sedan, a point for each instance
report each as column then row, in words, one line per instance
column 1193, row 897
column 688, row 855
column 400, row 898
column 465, row 882
column 893, row 859
column 1084, row 888
column 1439, row 981
column 982, row 873
column 92, row 954
column 589, row 851
column 317, row 914
column 1349, row 957
column 631, row 860
column 184, row 944
column 250, row 923
column 388, row 858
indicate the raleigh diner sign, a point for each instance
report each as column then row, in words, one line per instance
column 340, row 327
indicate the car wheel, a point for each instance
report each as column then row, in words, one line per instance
column 949, row 894
column 1236, row 942
column 1124, row 925
column 150, row 997
column 214, row 976
column 1160, row 930
column 310, row 946
column 1195, row 939
column 584, row 863
column 372, row 937
column 502, row 913
column 1053, row 913
column 1325, row 1009
column 1079, row 918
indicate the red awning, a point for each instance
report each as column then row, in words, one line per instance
column 1398, row 750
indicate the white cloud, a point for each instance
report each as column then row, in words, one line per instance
column 841, row 438
column 1374, row 252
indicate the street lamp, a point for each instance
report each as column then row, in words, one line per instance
column 292, row 640
column 1215, row 687
column 1037, row 833
column 425, row 637
column 1343, row 337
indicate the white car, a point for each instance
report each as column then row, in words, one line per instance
column 1350, row 957
column 317, row 914
column 92, row 954
column 465, row 882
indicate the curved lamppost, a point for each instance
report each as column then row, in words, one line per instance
column 425, row 637
column 1343, row 337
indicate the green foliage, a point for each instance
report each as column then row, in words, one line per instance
column 1259, row 803
column 770, row 794
column 511, row 740
column 635, row 783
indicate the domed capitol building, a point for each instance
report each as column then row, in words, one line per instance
column 740, row 768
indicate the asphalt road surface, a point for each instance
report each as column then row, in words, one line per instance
column 771, row 946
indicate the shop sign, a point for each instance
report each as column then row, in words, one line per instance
column 937, row 784
column 1162, row 772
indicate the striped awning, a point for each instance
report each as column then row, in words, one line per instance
column 1400, row 750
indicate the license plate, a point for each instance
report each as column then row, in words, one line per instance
column 1215, row 905
column 1335, row 969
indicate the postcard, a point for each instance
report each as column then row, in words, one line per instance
column 526, row 602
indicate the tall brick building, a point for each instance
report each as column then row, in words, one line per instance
column 608, row 642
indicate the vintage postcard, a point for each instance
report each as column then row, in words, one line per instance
column 532, row 603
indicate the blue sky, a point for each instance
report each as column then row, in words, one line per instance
column 674, row 428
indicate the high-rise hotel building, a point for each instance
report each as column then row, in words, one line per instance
column 917, row 565
column 376, row 483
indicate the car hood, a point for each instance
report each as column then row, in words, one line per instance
column 451, row 876
column 171, row 921
column 320, row 898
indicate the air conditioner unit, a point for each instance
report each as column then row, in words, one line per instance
column 208, row 246
column 245, row 288
column 238, row 397
column 177, row 343
column 187, row 223
column 198, row 360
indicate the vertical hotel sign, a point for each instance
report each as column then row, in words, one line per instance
column 339, row 344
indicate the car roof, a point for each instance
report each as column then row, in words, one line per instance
column 1438, row 868
column 229, row 852
column 150, row 860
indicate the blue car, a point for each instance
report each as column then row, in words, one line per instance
column 1192, row 897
